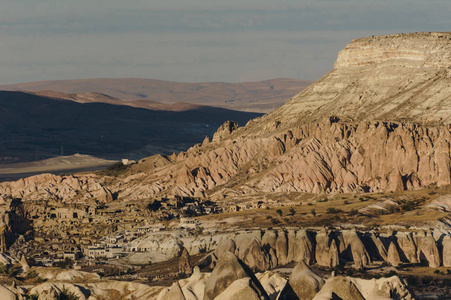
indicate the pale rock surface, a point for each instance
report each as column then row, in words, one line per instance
column 427, row 249
column 273, row 283
column 303, row 284
column 71, row 275
column 447, row 251
column 7, row 294
column 224, row 247
column 174, row 293
column 326, row 251
column 303, row 248
column 406, row 243
column 194, row 287
column 393, row 255
column 228, row 270
column 240, row 289
column 341, row 287
column 356, row 249
column 281, row 248
column 53, row 290
column 383, row 288
column 252, row 254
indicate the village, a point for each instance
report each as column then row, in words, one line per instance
column 54, row 233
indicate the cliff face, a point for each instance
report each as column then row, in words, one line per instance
column 398, row 77
column 379, row 121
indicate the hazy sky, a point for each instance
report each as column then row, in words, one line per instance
column 195, row 40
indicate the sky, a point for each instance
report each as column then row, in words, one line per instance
column 196, row 40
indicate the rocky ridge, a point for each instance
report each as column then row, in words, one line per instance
column 379, row 121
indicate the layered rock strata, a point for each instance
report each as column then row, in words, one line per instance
column 379, row 121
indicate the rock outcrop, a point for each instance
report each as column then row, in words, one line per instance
column 376, row 122
column 303, row 284
column 228, row 270
column 184, row 263
column 393, row 255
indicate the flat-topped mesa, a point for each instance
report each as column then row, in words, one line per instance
column 391, row 78
column 431, row 49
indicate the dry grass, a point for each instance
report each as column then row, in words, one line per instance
column 339, row 209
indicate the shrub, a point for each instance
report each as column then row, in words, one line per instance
column 333, row 210
column 313, row 211
column 279, row 212
column 66, row 295
column 390, row 274
column 116, row 169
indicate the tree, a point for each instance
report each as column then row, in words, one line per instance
column 313, row 211
column 279, row 211
column 292, row 211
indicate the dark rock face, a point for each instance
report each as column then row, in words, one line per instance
column 184, row 264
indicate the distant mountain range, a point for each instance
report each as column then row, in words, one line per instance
column 262, row 96
column 35, row 127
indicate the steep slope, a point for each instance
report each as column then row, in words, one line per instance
column 397, row 78
column 379, row 121
column 261, row 96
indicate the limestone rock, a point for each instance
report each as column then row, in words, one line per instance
column 273, row 283
column 393, row 255
column 226, row 129
column 341, row 287
column 7, row 294
column 240, row 289
column 303, row 248
column 407, row 246
column 228, row 270
column 356, row 249
column 225, row 246
column 281, row 248
column 427, row 250
column 175, row 293
column 446, row 251
column 252, row 254
column 303, row 284
column 383, row 288
column 326, row 252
